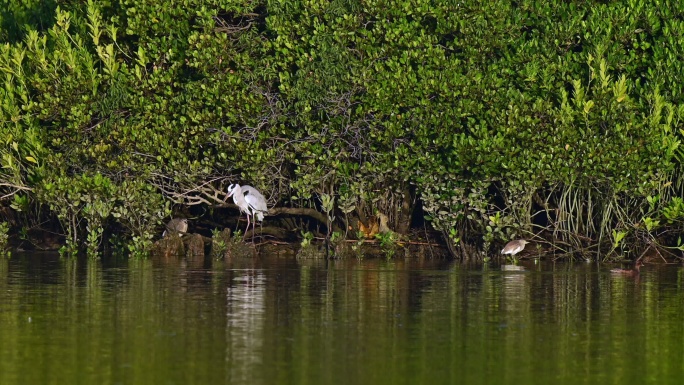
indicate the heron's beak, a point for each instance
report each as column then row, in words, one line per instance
column 231, row 190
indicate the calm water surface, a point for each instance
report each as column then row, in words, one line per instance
column 280, row 320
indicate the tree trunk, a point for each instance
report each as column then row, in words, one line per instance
column 405, row 211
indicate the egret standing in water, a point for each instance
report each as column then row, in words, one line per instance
column 250, row 201
column 514, row 247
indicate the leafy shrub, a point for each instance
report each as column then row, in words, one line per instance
column 502, row 120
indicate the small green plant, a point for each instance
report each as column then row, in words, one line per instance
column 20, row 202
column 347, row 204
column 617, row 238
column 307, row 237
column 335, row 237
column 93, row 241
column 23, row 233
column 651, row 223
column 328, row 204
column 388, row 242
column 118, row 245
column 140, row 246
column 453, row 236
column 218, row 244
column 674, row 210
column 4, row 239
column 69, row 249
column 652, row 201
column 356, row 246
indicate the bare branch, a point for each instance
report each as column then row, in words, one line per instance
column 16, row 188
column 192, row 194
column 232, row 29
column 317, row 215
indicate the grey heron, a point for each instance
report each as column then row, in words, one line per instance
column 250, row 201
column 176, row 226
column 256, row 202
column 514, row 247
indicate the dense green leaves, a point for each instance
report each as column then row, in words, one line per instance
column 491, row 113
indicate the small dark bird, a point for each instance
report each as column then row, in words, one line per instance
column 176, row 226
column 514, row 247
column 629, row 272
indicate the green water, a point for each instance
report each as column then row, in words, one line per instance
column 272, row 320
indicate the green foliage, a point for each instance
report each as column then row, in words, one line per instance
column 617, row 238
column 4, row 239
column 219, row 244
column 497, row 116
column 674, row 211
column 140, row 210
column 356, row 246
column 87, row 203
column 388, row 243
column 18, row 14
column 77, row 200
column 307, row 237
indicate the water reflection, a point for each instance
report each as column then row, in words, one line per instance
column 284, row 320
column 515, row 294
column 245, row 307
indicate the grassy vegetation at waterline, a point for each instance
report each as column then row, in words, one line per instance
column 489, row 120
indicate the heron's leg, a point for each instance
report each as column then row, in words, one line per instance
column 253, row 224
column 261, row 229
column 247, row 228
column 237, row 224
